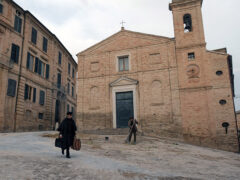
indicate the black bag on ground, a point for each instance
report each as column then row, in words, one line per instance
column 58, row 142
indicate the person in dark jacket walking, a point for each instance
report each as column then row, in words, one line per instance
column 132, row 124
column 67, row 131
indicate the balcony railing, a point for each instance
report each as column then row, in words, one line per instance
column 5, row 60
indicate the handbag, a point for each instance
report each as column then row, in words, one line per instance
column 76, row 144
column 59, row 142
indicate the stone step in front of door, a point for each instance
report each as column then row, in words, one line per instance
column 119, row 131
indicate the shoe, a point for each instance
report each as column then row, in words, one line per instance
column 68, row 156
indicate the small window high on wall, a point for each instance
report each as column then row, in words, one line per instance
column 187, row 21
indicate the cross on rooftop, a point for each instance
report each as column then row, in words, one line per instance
column 122, row 24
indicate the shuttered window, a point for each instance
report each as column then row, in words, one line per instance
column 72, row 91
column 34, row 94
column 59, row 79
column 30, row 61
column 28, row 92
column 69, row 68
column 15, row 53
column 34, row 36
column 68, row 88
column 1, row 8
column 47, row 71
column 18, row 24
column 59, row 58
column 11, row 87
column 73, row 72
column 68, row 108
column 45, row 44
column 42, row 97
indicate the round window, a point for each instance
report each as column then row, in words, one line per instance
column 222, row 101
column 219, row 73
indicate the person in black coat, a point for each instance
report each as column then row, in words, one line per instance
column 132, row 124
column 67, row 132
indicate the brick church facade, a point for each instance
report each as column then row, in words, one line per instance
column 174, row 87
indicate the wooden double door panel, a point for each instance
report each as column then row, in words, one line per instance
column 124, row 108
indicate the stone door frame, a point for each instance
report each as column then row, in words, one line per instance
column 118, row 89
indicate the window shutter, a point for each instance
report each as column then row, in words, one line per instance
column 28, row 60
column 47, row 71
column 36, row 65
column 39, row 67
column 34, row 94
column 26, row 91
column 20, row 25
column 15, row 53
column 42, row 97
column 11, row 87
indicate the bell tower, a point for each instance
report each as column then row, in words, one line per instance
column 188, row 24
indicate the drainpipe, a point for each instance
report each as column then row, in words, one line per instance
column 20, row 72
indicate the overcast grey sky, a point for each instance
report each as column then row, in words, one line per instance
column 82, row 23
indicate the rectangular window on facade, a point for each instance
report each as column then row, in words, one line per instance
column 36, row 65
column 34, row 94
column 41, row 68
column 30, row 61
column 69, row 68
column 18, row 24
column 73, row 72
column 59, row 80
column 47, row 71
column 15, row 53
column 72, row 110
column 28, row 92
column 191, row 56
column 59, row 58
column 68, row 108
column 1, row 8
column 11, row 87
column 123, row 63
column 40, row 115
column 34, row 36
column 45, row 44
column 68, row 88
column 72, row 91
column 42, row 97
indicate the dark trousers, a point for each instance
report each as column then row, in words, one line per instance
column 68, row 153
column 135, row 136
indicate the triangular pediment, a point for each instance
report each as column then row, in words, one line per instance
column 125, row 39
column 123, row 81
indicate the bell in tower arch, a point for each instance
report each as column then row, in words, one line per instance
column 187, row 20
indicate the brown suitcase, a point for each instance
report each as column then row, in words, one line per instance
column 76, row 144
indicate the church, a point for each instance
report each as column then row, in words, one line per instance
column 174, row 87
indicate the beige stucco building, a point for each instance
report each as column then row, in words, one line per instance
column 37, row 73
column 174, row 87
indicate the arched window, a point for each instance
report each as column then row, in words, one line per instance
column 187, row 21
